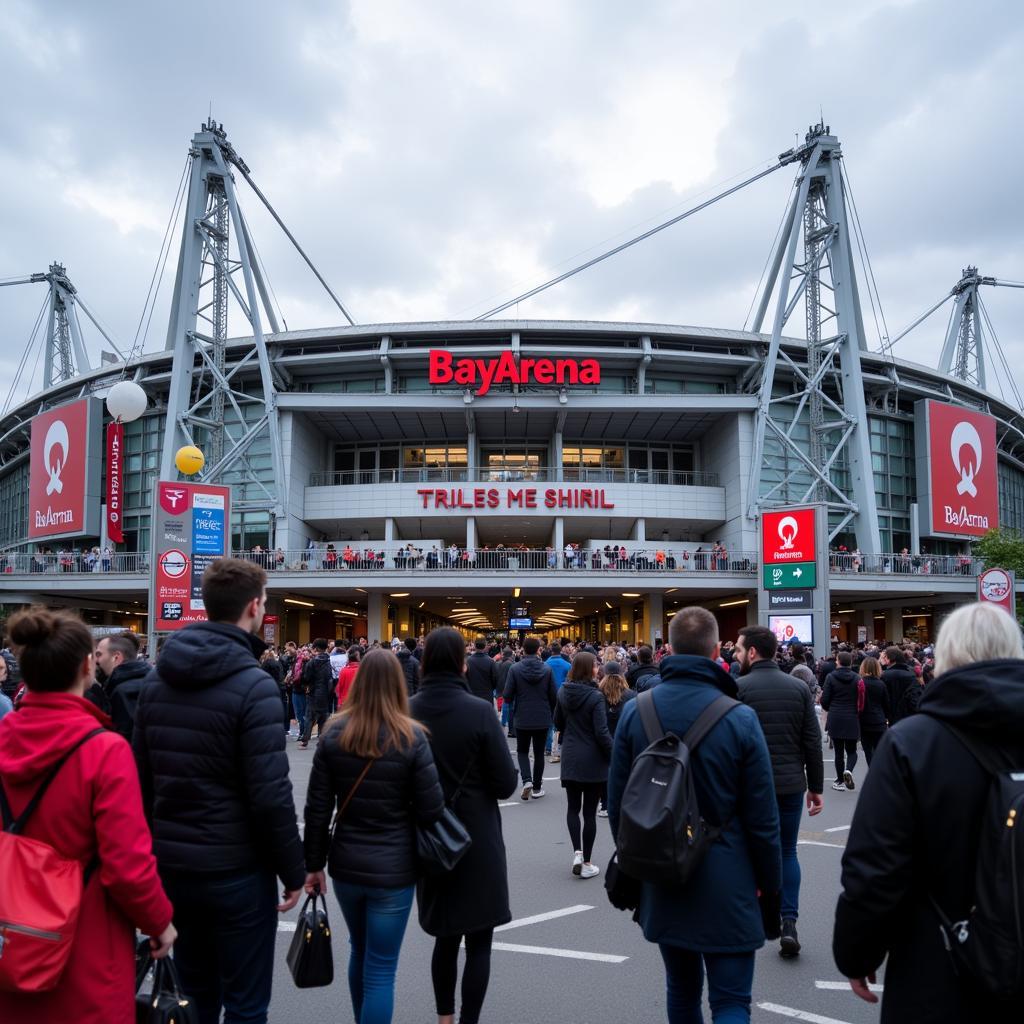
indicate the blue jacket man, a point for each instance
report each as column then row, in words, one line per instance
column 559, row 666
column 716, row 918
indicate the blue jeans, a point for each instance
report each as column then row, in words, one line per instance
column 376, row 920
column 299, row 707
column 227, row 927
column 730, row 982
column 791, row 809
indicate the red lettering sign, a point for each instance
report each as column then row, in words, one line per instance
column 964, row 482
column 58, row 468
column 115, row 447
column 482, row 374
column 787, row 536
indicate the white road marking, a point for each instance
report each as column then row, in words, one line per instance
column 551, row 915
column 512, row 803
column 843, row 986
column 571, row 954
column 286, row 926
column 788, row 1011
column 552, row 778
column 839, row 828
column 812, row 842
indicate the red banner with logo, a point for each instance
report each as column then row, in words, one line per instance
column 59, row 456
column 787, row 536
column 115, row 482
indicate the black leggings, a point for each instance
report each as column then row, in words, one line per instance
column 444, row 970
column 585, row 796
column 844, row 749
column 870, row 740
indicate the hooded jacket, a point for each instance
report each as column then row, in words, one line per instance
column 897, row 677
column 123, row 689
column 581, row 718
column 211, row 754
column 839, row 699
column 530, row 686
column 410, row 669
column 93, row 808
column 915, row 832
column 318, row 678
column 637, row 677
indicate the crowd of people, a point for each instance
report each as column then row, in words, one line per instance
column 169, row 784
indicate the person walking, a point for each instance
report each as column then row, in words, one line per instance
column 90, row 812
column 211, row 757
column 875, row 712
column 531, row 689
column 319, row 679
column 559, row 665
column 714, row 923
column 507, row 661
column 300, row 691
column 374, row 765
column 927, row 790
column 842, row 698
column 898, row 677
column 790, row 725
column 482, row 672
column 476, row 771
column 617, row 695
column 586, row 750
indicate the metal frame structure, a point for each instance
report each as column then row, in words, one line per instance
column 963, row 354
column 827, row 393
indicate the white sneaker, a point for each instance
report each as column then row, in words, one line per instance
column 589, row 871
column 577, row 863
column 602, row 813
column 527, row 790
column 538, row 793
column 839, row 787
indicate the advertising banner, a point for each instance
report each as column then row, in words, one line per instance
column 64, row 471
column 996, row 586
column 115, row 482
column 787, row 536
column 270, row 624
column 957, row 480
column 190, row 529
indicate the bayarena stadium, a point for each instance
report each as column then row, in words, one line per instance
column 565, row 478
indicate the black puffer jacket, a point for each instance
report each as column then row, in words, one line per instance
column 123, row 689
column 531, row 688
column 318, row 681
column 482, row 675
column 839, row 699
column 915, row 832
column 637, row 676
column 586, row 742
column 876, row 706
column 210, row 750
column 897, row 678
column 786, row 712
column 410, row 669
column 374, row 843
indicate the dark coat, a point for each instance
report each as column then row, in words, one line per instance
column 123, row 689
column 641, row 677
column 467, row 740
column 876, row 706
column 374, row 843
column 586, row 741
column 411, row 670
column 210, row 751
column 910, row 701
column 503, row 670
column 825, row 668
column 318, row 681
column 531, row 687
column 915, row 831
column 839, row 699
column 786, row 712
column 613, row 712
column 897, row 678
column 482, row 675
column 717, row 912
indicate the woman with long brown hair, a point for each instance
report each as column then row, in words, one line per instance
column 617, row 695
column 374, row 764
column 875, row 712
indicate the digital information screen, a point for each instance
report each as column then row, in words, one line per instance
column 788, row 628
column 520, row 623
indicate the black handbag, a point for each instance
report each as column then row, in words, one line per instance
column 166, row 1004
column 309, row 957
column 623, row 890
column 443, row 843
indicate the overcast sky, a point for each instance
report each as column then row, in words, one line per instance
column 437, row 158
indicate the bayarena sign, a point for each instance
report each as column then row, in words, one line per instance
column 482, row 374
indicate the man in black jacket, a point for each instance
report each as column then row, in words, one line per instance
column 214, row 774
column 530, row 686
column 482, row 672
column 122, row 677
column 639, row 675
column 410, row 666
column 897, row 676
column 318, row 678
column 786, row 712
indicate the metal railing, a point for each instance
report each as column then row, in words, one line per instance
column 541, row 474
column 26, row 563
column 904, row 564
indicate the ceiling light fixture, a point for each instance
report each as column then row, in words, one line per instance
column 421, row 604
column 630, row 595
column 406, row 594
column 304, row 604
column 515, row 593
column 607, row 605
column 733, row 604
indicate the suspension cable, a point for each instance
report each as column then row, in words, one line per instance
column 862, row 243
column 25, row 354
column 771, row 252
column 997, row 345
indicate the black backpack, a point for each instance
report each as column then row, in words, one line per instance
column 662, row 835
column 988, row 946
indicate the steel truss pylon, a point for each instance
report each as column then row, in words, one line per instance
column 812, row 416
column 963, row 354
column 204, row 392
column 65, row 356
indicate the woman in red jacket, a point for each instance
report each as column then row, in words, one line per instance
column 92, row 810
column 347, row 675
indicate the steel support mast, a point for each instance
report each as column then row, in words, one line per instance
column 65, row 356
column 963, row 354
column 811, row 438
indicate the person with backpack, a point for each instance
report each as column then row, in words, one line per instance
column 843, row 698
column 88, row 823
column 928, row 878
column 704, row 913
column 211, row 758
column 318, row 680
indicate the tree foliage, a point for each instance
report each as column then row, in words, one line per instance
column 1002, row 549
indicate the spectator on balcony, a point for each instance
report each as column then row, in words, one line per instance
column 659, row 558
column 348, row 556
column 331, row 557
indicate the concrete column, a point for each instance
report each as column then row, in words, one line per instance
column 555, row 456
column 558, row 535
column 894, row 624
column 390, row 533
column 640, row 531
column 865, row 617
column 654, row 617
column 471, row 532
column 375, row 621
column 471, row 454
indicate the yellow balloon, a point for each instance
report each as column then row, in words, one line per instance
column 189, row 459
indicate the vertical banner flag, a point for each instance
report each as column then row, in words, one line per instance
column 115, row 477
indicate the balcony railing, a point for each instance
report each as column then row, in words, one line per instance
column 540, row 474
column 26, row 563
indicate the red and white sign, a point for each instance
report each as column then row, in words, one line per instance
column 787, row 536
column 963, row 481
column 58, row 472
column 996, row 587
column 115, row 482
column 481, row 374
column 270, row 630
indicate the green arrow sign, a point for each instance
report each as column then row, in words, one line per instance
column 790, row 576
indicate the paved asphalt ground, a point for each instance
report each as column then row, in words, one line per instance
column 590, row 963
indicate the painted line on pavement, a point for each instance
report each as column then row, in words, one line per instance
column 512, row 803
column 839, row 828
column 812, row 842
column 571, row 954
column 843, row 986
column 788, row 1011
column 551, row 915
column 286, row 926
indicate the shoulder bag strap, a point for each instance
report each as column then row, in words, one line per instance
column 15, row 826
column 458, row 789
column 649, row 716
column 708, row 719
column 352, row 791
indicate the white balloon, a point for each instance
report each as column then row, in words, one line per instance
column 126, row 401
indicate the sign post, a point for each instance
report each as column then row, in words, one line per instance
column 998, row 586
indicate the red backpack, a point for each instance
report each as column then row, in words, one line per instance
column 40, row 898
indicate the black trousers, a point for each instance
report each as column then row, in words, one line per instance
column 317, row 717
column 844, row 749
column 583, row 796
column 870, row 740
column 444, row 972
column 524, row 739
